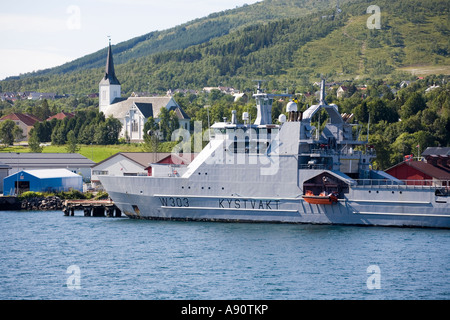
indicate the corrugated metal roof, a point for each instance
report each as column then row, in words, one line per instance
column 437, row 151
column 4, row 166
column 52, row 173
column 141, row 158
column 45, row 160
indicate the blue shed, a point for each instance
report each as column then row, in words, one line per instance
column 50, row 180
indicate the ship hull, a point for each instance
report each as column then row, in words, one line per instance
column 364, row 207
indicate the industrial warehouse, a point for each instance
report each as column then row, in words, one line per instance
column 55, row 180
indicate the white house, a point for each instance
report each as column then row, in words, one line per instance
column 125, row 164
column 133, row 112
column 141, row 164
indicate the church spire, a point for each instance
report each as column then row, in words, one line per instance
column 109, row 87
column 110, row 75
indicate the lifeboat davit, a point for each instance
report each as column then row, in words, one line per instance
column 323, row 198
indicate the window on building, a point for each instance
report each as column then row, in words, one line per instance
column 100, row 172
column 134, row 126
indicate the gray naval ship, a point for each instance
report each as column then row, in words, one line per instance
column 290, row 172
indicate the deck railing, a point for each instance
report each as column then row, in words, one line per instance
column 401, row 184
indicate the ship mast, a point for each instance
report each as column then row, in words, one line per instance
column 264, row 105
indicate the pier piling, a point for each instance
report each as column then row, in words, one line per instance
column 92, row 208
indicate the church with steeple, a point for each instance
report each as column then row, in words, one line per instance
column 133, row 112
column 110, row 88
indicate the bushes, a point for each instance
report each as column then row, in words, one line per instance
column 32, row 194
column 74, row 194
column 64, row 195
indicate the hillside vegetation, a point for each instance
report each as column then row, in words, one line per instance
column 291, row 51
column 195, row 32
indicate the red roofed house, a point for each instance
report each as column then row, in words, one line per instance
column 419, row 173
column 61, row 116
column 24, row 121
column 170, row 165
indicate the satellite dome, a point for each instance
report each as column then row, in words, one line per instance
column 291, row 106
column 282, row 118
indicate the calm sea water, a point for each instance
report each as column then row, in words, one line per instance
column 45, row 255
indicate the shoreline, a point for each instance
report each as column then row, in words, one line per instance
column 12, row 203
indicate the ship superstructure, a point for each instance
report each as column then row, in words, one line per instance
column 296, row 171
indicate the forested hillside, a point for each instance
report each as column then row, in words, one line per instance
column 288, row 52
column 195, row 32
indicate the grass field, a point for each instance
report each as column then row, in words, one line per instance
column 426, row 70
column 94, row 152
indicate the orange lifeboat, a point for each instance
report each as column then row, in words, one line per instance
column 323, row 198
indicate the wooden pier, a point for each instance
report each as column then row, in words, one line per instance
column 92, row 208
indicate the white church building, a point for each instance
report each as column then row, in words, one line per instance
column 133, row 112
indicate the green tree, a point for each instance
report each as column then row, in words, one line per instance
column 34, row 143
column 113, row 128
column 86, row 134
column 361, row 112
column 43, row 111
column 413, row 105
column 44, row 130
column 168, row 123
column 72, row 145
column 151, row 136
column 58, row 134
column 9, row 132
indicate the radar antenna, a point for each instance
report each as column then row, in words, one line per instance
column 259, row 89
